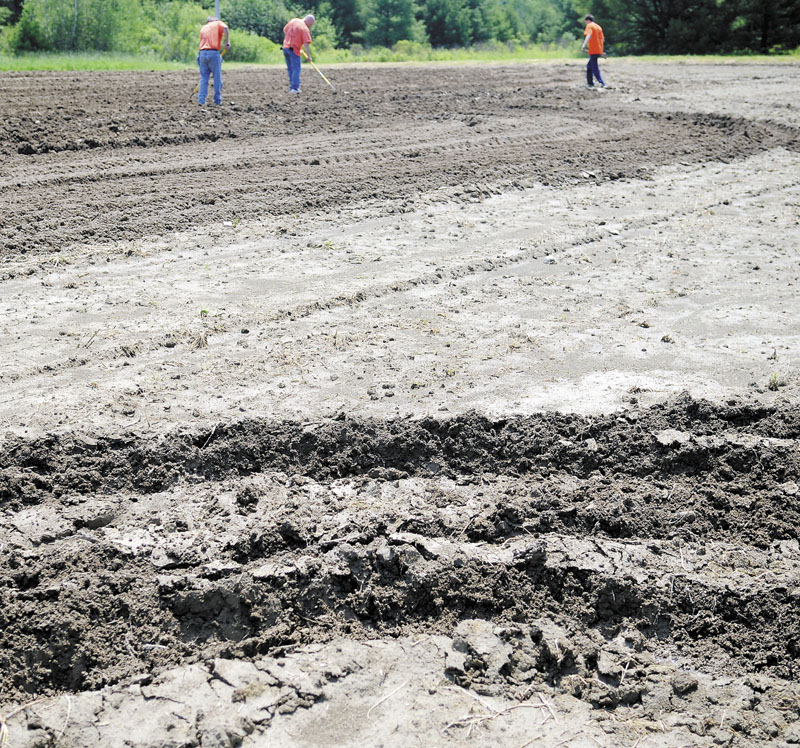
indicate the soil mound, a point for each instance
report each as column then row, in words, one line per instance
column 578, row 553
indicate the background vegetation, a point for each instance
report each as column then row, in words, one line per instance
column 167, row 30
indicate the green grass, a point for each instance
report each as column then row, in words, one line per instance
column 86, row 61
column 401, row 52
column 719, row 59
column 413, row 52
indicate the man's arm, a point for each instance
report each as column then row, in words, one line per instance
column 308, row 50
column 225, row 38
column 586, row 41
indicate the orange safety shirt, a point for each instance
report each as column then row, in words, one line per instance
column 596, row 40
column 211, row 35
column 295, row 35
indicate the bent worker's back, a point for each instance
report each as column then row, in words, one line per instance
column 296, row 35
column 209, row 59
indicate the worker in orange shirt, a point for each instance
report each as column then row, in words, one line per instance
column 296, row 35
column 594, row 42
column 209, row 59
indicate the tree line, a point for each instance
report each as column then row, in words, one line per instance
column 168, row 28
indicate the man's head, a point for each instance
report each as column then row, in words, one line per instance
column 210, row 19
column 588, row 18
column 309, row 20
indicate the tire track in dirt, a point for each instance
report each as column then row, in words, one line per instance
column 466, row 270
column 452, row 272
column 351, row 162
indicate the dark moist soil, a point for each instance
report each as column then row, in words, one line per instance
column 94, row 158
column 669, row 525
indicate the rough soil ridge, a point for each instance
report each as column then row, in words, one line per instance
column 661, row 535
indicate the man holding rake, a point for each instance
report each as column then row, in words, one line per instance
column 209, row 59
column 296, row 35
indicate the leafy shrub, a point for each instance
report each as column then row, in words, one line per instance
column 263, row 17
column 406, row 50
column 8, row 35
column 47, row 27
column 174, row 33
column 74, row 24
column 248, row 47
column 324, row 33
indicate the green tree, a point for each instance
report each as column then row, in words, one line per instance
column 664, row 26
column 493, row 19
column 764, row 25
column 10, row 11
column 66, row 25
column 324, row 33
column 389, row 21
column 347, row 17
column 533, row 17
column 175, row 30
column 448, row 22
column 263, row 17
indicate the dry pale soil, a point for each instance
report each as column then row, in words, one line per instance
column 458, row 407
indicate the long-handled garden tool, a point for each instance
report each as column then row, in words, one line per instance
column 318, row 70
column 197, row 87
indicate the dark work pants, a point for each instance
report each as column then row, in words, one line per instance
column 593, row 69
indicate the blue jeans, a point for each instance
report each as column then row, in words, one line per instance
column 210, row 63
column 592, row 68
column 293, row 63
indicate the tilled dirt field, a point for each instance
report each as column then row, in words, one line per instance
column 457, row 408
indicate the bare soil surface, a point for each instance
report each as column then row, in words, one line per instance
column 459, row 407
